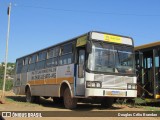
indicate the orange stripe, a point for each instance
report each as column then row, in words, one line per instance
column 31, row 82
column 69, row 79
column 39, row 82
column 51, row 81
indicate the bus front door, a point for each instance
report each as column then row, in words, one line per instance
column 80, row 82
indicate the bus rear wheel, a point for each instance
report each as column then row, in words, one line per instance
column 30, row 98
column 69, row 102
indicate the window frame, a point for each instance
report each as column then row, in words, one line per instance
column 62, row 54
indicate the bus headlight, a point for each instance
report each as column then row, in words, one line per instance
column 98, row 85
column 93, row 84
column 134, row 87
column 131, row 86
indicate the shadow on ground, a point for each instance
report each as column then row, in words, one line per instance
column 49, row 103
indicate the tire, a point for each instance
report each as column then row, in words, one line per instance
column 69, row 102
column 107, row 102
column 30, row 98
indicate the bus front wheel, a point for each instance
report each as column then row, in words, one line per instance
column 69, row 102
column 107, row 102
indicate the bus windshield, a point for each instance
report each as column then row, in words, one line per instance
column 111, row 58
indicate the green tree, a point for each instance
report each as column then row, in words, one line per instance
column 1, row 71
column 10, row 71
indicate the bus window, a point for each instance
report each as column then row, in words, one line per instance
column 19, row 66
column 41, row 60
column 53, row 52
column 25, row 65
column 157, row 61
column 149, row 62
column 42, row 56
column 66, row 55
column 32, row 61
column 66, row 59
column 40, row 65
column 26, row 61
column 52, row 57
column 51, row 62
column 50, row 54
column 68, row 48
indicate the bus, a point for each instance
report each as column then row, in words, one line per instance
column 96, row 65
column 148, row 70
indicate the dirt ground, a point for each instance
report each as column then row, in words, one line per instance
column 17, row 103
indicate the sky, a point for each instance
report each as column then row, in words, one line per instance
column 37, row 24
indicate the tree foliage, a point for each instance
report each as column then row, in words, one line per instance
column 10, row 69
column 10, row 72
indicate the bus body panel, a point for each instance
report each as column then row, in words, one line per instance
column 90, row 92
column 110, row 83
column 45, row 86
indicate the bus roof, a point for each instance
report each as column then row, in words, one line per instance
column 89, row 34
column 145, row 46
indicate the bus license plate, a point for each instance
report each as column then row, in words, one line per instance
column 115, row 93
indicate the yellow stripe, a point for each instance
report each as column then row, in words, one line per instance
column 69, row 79
column 51, row 81
column 31, row 82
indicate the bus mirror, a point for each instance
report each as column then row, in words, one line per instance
column 89, row 47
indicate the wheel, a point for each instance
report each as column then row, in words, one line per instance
column 69, row 102
column 30, row 98
column 107, row 102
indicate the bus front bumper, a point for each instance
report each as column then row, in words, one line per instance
column 96, row 92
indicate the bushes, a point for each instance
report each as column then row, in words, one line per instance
column 9, row 84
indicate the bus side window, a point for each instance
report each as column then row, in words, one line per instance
column 81, row 63
column 19, row 66
column 32, row 61
column 157, row 61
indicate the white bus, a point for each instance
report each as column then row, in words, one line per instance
column 96, row 65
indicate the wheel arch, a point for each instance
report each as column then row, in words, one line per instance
column 64, row 84
column 28, row 87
